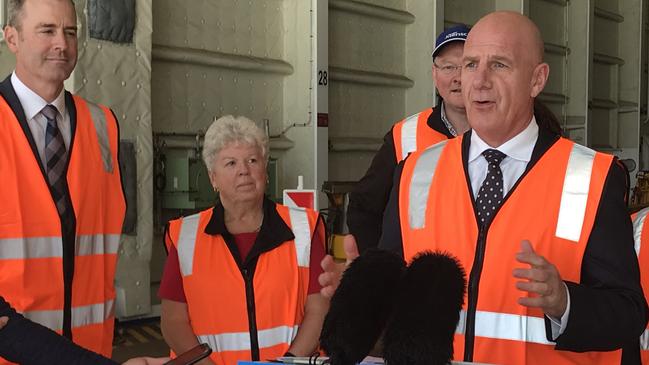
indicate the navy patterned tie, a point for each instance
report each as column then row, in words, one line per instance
column 55, row 158
column 490, row 195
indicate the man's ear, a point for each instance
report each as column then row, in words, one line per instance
column 11, row 37
column 539, row 78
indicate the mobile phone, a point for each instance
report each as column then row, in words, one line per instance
column 191, row 356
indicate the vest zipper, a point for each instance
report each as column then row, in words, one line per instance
column 478, row 262
column 252, row 318
column 472, row 293
column 68, row 237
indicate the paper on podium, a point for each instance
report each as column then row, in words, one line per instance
column 289, row 360
column 303, row 360
column 370, row 360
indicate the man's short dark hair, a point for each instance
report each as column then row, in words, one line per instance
column 14, row 8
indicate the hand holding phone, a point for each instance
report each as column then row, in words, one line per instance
column 191, row 356
column 147, row 361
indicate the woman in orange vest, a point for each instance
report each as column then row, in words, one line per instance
column 242, row 276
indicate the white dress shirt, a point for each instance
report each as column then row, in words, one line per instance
column 32, row 105
column 519, row 152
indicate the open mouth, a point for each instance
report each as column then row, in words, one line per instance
column 483, row 103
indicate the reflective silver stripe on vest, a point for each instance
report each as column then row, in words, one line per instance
column 504, row 326
column 99, row 120
column 460, row 329
column 187, row 243
column 302, row 233
column 97, row 244
column 409, row 135
column 240, row 341
column 51, row 247
column 81, row 316
column 31, row 248
column 574, row 195
column 92, row 314
column 644, row 341
column 638, row 224
column 422, row 177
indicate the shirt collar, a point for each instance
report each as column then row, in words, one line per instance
column 274, row 231
column 519, row 148
column 447, row 122
column 33, row 103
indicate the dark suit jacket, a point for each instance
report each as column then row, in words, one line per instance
column 371, row 193
column 29, row 343
column 68, row 222
column 607, row 308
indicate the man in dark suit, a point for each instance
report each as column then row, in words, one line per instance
column 25, row 342
column 538, row 221
column 62, row 202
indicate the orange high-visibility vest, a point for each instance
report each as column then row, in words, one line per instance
column 413, row 134
column 220, row 296
column 553, row 206
column 641, row 237
column 31, row 264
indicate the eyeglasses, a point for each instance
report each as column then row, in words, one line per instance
column 448, row 69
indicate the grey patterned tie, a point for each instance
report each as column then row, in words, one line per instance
column 55, row 158
column 490, row 195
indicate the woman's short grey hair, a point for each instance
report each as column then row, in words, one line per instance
column 229, row 129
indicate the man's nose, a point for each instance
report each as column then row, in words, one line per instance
column 60, row 41
column 481, row 77
column 457, row 77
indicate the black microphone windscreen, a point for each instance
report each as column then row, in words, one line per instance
column 361, row 306
column 427, row 311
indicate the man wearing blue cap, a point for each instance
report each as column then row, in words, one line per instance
column 370, row 196
column 432, row 125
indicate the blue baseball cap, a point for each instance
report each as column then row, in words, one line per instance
column 456, row 33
